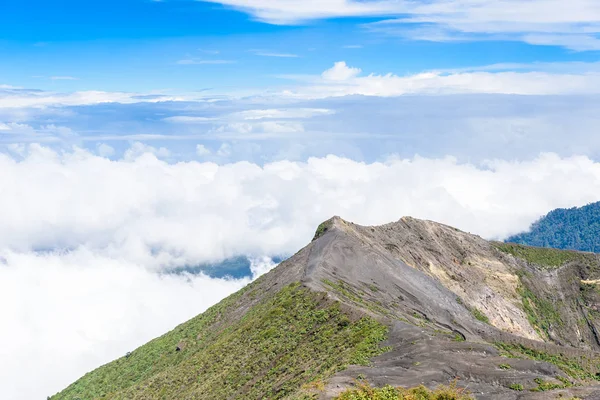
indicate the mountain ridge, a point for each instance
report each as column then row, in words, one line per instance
column 462, row 301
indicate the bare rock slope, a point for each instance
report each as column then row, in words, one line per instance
column 460, row 307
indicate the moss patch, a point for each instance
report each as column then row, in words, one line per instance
column 291, row 339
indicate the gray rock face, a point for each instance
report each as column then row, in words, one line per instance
column 450, row 298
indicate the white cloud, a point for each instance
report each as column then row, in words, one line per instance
column 105, row 150
column 224, row 150
column 83, row 236
column 139, row 150
column 182, row 119
column 287, row 113
column 86, row 309
column 339, row 80
column 544, row 22
column 341, row 72
column 64, row 78
column 265, row 53
column 202, row 150
column 254, row 123
column 575, row 25
column 262, row 129
column 41, row 99
column 14, row 127
column 117, row 207
column 343, row 80
column 295, row 11
column 204, row 62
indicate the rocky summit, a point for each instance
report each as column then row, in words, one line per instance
column 407, row 304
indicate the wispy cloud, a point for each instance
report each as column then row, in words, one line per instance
column 213, row 52
column 64, row 78
column 266, row 53
column 188, row 120
column 298, row 11
column 191, row 61
column 353, row 46
column 539, row 22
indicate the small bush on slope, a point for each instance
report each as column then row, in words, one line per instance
column 283, row 342
column 366, row 392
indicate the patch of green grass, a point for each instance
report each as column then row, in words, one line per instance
column 373, row 288
column 358, row 297
column 516, row 386
column 321, row 229
column 541, row 313
column 504, row 366
column 575, row 367
column 565, row 381
column 543, row 386
column 546, row 257
column 366, row 392
column 458, row 337
column 293, row 338
column 480, row 316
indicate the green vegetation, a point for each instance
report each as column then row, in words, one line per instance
column 298, row 338
column 321, row 229
column 459, row 337
column 357, row 296
column 543, row 386
column 575, row 367
column 575, row 228
column 541, row 313
column 366, row 392
column 516, row 386
column 504, row 366
column 480, row 316
column 546, row 258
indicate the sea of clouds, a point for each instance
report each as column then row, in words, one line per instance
column 87, row 242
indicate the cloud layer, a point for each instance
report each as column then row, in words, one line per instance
column 86, row 240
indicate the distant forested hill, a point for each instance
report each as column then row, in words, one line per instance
column 573, row 228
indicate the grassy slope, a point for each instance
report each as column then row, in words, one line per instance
column 545, row 257
column 280, row 345
column 549, row 312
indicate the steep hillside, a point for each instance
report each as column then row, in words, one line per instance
column 404, row 304
column 573, row 229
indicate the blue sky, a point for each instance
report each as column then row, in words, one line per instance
column 139, row 138
column 135, row 45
